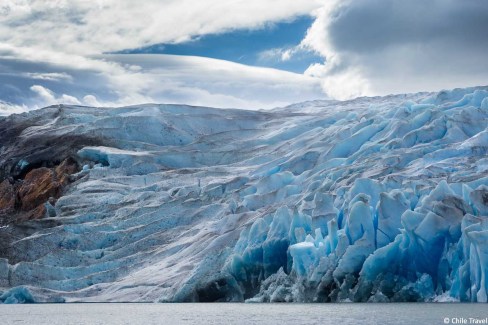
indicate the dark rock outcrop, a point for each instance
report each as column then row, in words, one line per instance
column 25, row 199
column 35, row 163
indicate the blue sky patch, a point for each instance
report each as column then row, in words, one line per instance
column 272, row 46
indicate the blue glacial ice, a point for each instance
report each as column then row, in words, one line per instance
column 375, row 199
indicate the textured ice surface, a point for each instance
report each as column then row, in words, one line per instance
column 374, row 199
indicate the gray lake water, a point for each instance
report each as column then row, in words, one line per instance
column 343, row 314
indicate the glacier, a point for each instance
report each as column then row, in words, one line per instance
column 378, row 199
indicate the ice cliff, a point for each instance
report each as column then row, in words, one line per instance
column 373, row 199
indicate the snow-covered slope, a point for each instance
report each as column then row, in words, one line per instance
column 380, row 199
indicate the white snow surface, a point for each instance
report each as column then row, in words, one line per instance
column 184, row 196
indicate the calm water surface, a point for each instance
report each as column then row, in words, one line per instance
column 343, row 314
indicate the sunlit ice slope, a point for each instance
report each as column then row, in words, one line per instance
column 373, row 199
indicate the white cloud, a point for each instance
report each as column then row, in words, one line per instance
column 117, row 80
column 53, row 53
column 342, row 84
column 279, row 54
column 47, row 97
column 52, row 50
column 93, row 27
column 51, row 76
column 376, row 47
column 8, row 108
column 275, row 54
column 91, row 100
column 203, row 81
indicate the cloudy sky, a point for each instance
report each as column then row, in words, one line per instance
column 235, row 53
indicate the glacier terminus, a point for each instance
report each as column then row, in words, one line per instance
column 379, row 199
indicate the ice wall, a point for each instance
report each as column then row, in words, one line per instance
column 374, row 199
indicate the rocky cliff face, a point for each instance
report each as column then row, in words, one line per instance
column 35, row 164
column 33, row 195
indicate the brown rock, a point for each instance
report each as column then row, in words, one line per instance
column 37, row 213
column 38, row 186
column 66, row 168
column 25, row 200
column 7, row 196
